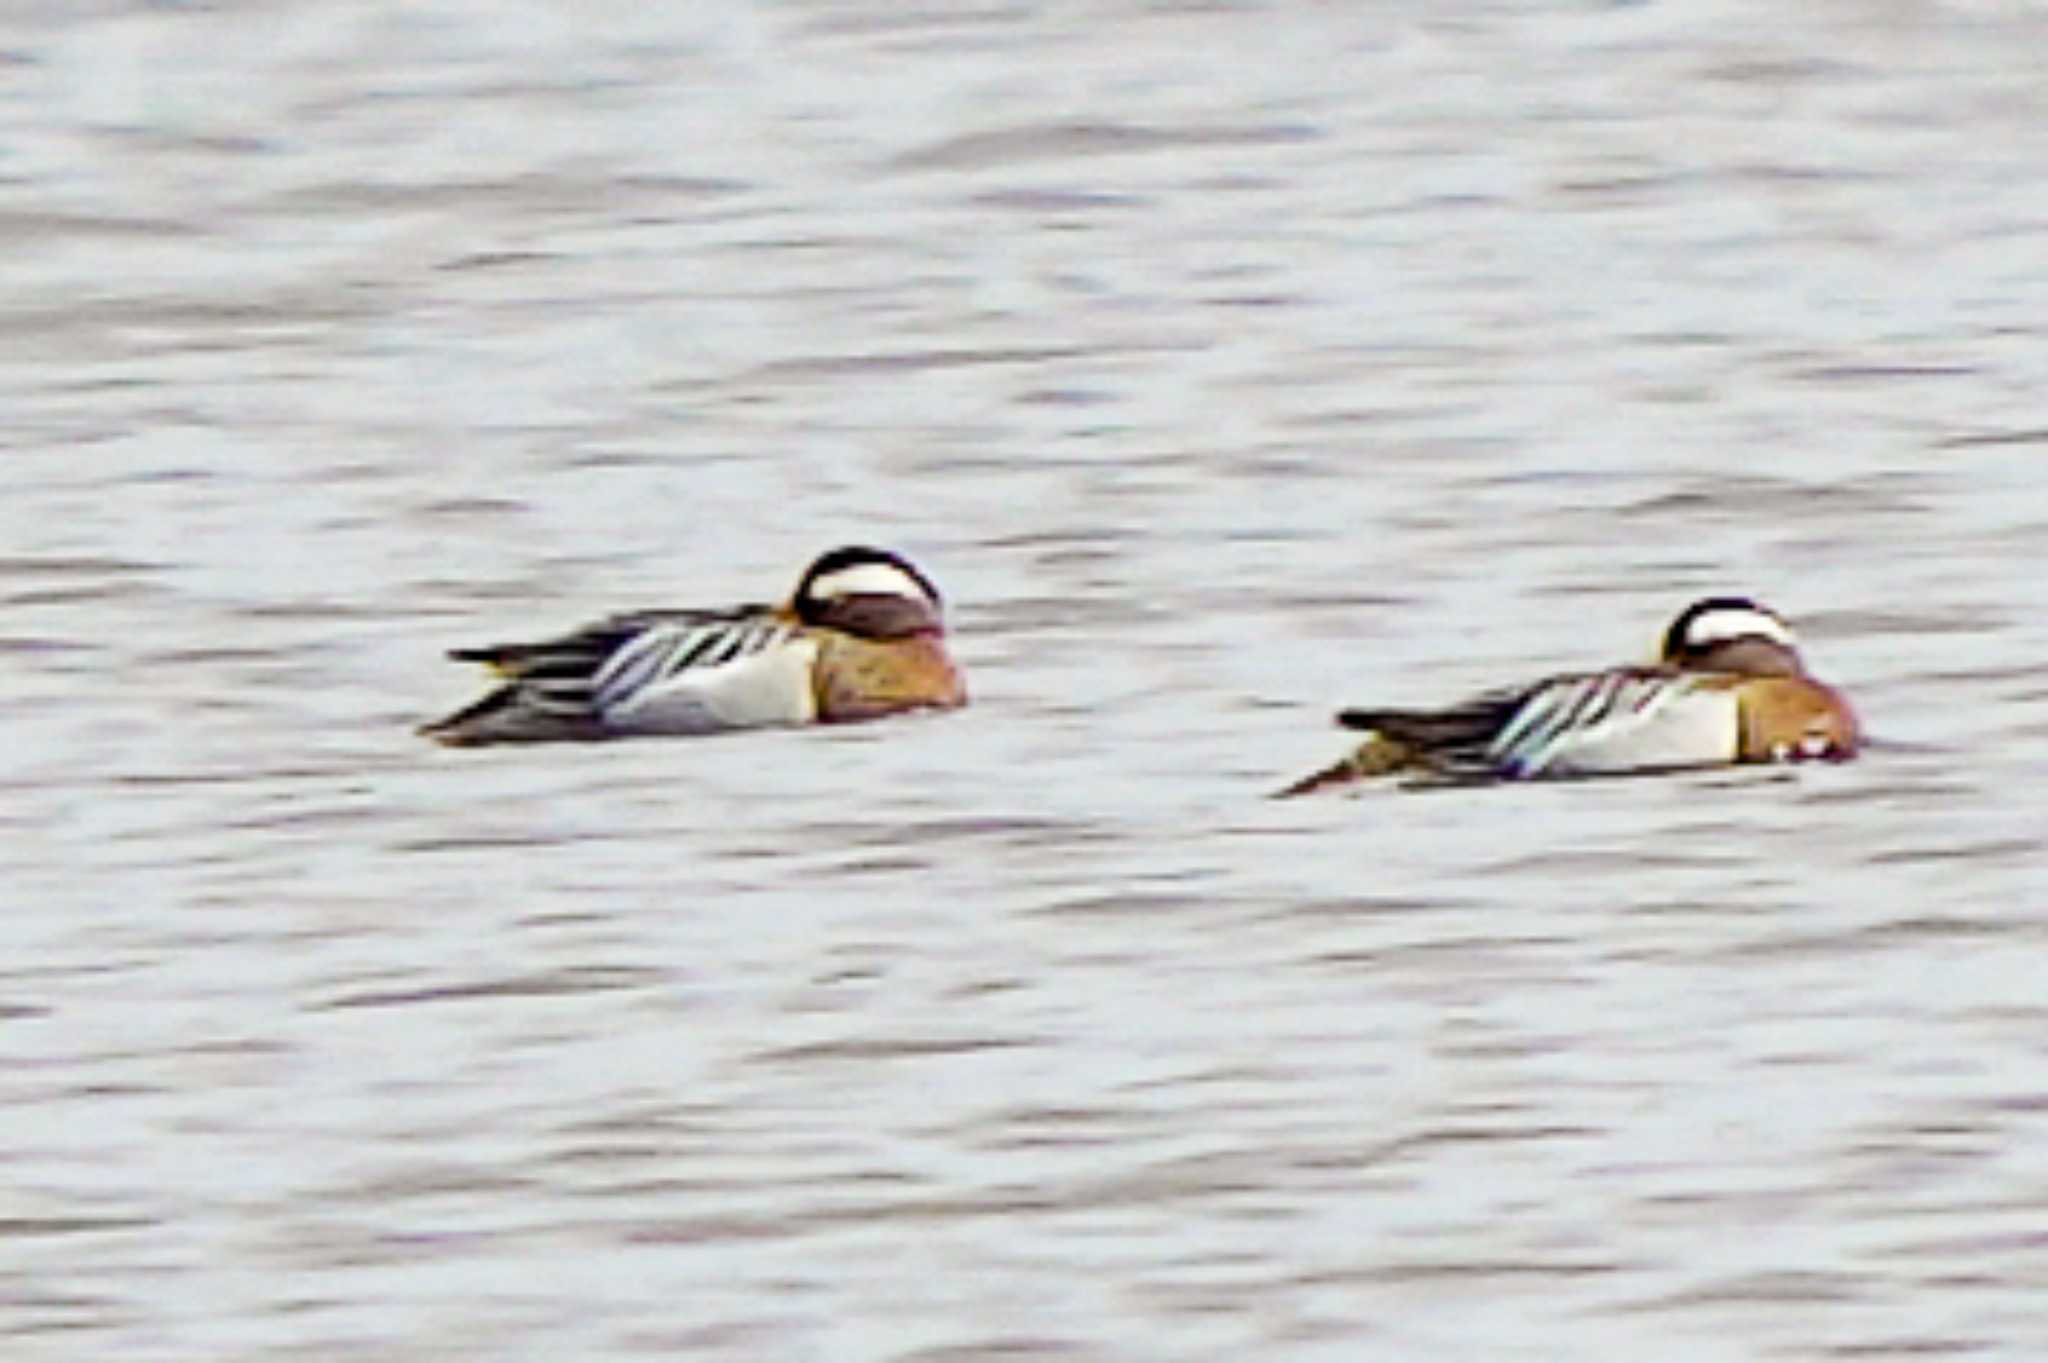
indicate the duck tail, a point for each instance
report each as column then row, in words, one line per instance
column 1334, row 775
column 471, row 724
column 514, row 713
column 1377, row 756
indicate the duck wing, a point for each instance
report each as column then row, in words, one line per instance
column 1457, row 738
column 1621, row 719
column 676, row 653
column 570, row 685
column 1624, row 719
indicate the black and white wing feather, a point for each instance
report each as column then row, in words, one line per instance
column 1625, row 719
column 647, row 671
column 1620, row 720
column 662, row 653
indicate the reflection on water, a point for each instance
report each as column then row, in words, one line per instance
column 1225, row 365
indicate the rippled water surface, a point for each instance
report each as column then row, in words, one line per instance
column 1225, row 363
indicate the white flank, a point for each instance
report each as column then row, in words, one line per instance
column 1680, row 726
column 768, row 687
column 867, row 579
column 1720, row 626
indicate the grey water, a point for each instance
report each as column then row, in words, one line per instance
column 1225, row 363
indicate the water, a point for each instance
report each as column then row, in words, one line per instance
column 1225, row 365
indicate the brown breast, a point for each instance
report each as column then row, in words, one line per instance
column 863, row 678
column 1795, row 718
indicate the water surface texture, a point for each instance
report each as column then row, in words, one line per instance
column 1226, row 363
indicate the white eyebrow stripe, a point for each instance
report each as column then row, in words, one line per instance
column 876, row 579
column 1720, row 626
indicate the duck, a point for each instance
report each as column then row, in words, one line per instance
column 862, row 636
column 1729, row 686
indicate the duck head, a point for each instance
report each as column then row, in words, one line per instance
column 1732, row 634
column 870, row 593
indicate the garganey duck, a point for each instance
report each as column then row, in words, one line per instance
column 862, row 636
column 1729, row 687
